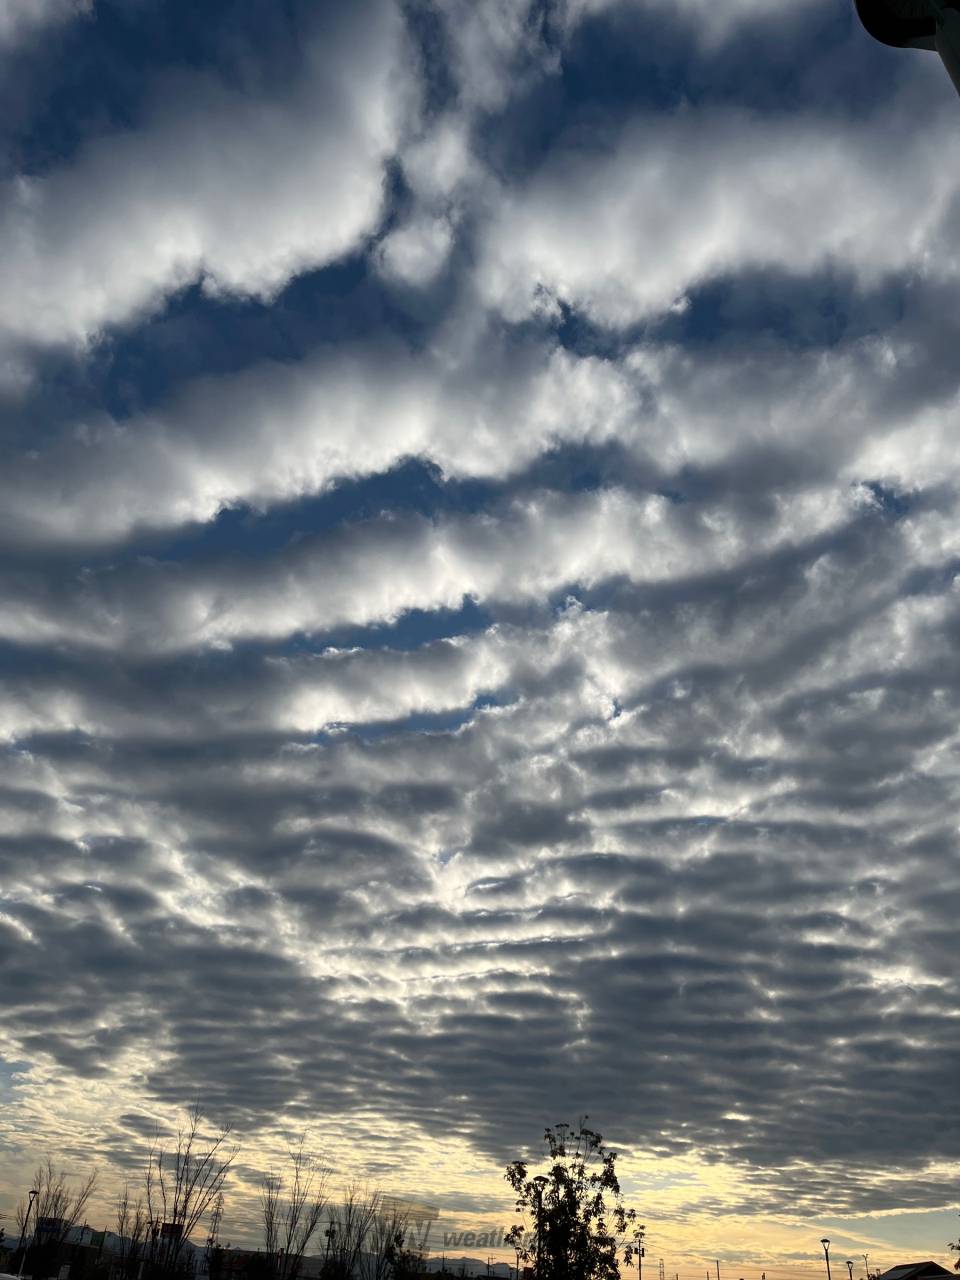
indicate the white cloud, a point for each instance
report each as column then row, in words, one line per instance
column 625, row 233
column 440, row 162
column 478, row 403
column 280, row 432
column 373, row 573
column 416, row 252
column 496, row 48
column 237, row 191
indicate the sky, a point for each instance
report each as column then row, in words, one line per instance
column 479, row 604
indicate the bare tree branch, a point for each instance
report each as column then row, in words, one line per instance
column 182, row 1184
column 387, row 1239
column 131, row 1222
column 58, row 1206
column 292, row 1211
column 349, row 1231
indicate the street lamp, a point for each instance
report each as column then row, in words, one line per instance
column 23, row 1230
column 850, row 1268
column 826, row 1253
column 917, row 24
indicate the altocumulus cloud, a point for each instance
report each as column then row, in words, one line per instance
column 478, row 622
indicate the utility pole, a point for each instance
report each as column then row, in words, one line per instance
column 661, row 1269
column 718, row 1268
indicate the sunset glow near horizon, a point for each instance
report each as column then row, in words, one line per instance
column 479, row 612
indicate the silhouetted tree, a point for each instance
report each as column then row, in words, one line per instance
column 182, row 1186
column 580, row 1228
column 57, row 1210
column 132, row 1229
column 348, row 1232
column 387, row 1258
column 292, row 1211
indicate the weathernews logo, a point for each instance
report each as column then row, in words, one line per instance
column 422, row 1234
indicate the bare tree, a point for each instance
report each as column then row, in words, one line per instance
column 216, row 1221
column 132, row 1231
column 182, row 1185
column 292, row 1211
column 386, row 1239
column 270, row 1189
column 348, row 1234
column 57, row 1208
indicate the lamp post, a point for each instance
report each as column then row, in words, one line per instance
column 866, row 1268
column 826, row 1253
column 917, row 24
column 23, row 1231
column 850, row 1268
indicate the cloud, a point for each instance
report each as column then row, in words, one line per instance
column 415, row 252
column 486, row 650
column 375, row 572
column 482, row 405
column 276, row 432
column 234, row 192
column 625, row 231
column 22, row 18
column 705, row 21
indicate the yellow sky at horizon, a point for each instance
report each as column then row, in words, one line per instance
column 690, row 1207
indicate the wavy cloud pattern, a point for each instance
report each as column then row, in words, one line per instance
column 478, row 607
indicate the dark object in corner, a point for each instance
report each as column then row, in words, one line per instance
column 916, row 24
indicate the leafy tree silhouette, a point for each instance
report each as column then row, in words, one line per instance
column 581, row 1228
